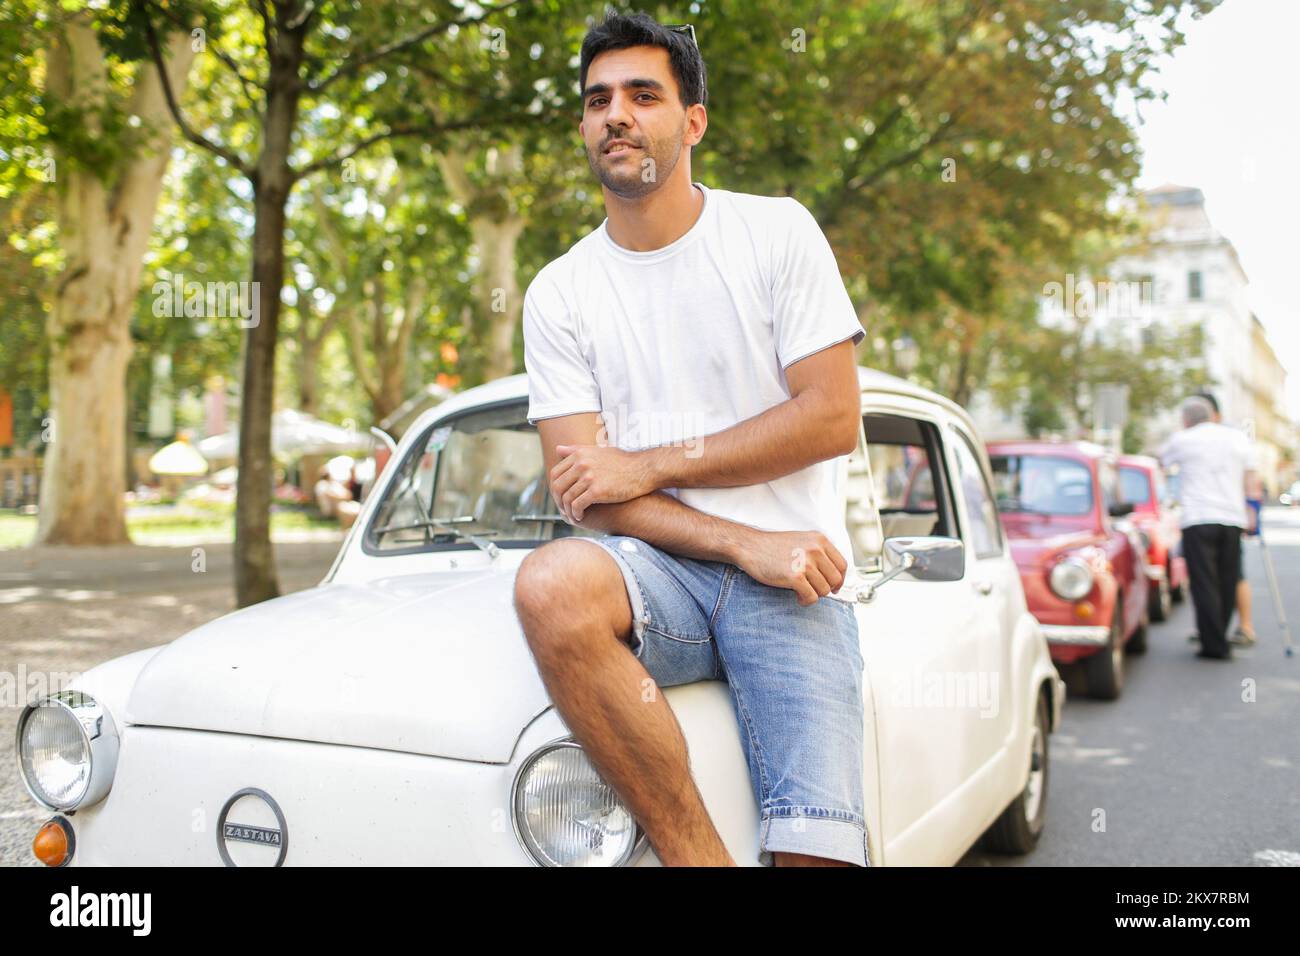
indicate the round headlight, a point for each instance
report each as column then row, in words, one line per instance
column 1072, row 579
column 566, row 815
column 67, row 750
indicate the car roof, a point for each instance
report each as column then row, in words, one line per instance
column 874, row 380
column 1082, row 450
column 1140, row 461
column 514, row 387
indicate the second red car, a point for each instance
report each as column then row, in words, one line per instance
column 1082, row 565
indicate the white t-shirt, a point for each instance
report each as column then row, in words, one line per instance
column 683, row 341
column 1212, row 460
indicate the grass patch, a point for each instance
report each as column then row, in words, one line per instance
column 206, row 522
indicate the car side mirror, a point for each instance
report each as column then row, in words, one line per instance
column 919, row 559
column 1121, row 509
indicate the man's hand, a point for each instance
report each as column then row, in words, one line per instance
column 599, row 474
column 804, row 561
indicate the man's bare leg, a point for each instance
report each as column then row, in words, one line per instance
column 572, row 602
column 1246, row 620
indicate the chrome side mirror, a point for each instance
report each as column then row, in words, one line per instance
column 920, row 559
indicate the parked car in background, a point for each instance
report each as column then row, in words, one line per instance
column 394, row 715
column 1291, row 496
column 1155, row 515
column 1082, row 567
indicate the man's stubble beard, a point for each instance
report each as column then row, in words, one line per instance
column 633, row 182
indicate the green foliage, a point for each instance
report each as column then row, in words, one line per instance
column 859, row 109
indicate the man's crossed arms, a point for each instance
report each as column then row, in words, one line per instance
column 619, row 492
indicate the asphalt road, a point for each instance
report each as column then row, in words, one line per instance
column 1181, row 770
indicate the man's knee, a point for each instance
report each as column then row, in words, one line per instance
column 570, row 591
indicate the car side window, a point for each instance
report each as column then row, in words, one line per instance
column 985, row 526
column 1135, row 486
column 910, row 482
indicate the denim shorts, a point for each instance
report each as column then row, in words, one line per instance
column 795, row 674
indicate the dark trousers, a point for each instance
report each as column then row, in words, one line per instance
column 1213, row 553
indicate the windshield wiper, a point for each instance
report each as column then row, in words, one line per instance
column 484, row 545
column 1013, row 506
column 444, row 525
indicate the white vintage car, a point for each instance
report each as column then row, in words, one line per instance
column 393, row 715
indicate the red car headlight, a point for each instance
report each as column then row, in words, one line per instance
column 1072, row 579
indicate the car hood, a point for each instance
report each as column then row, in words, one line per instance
column 1032, row 544
column 431, row 664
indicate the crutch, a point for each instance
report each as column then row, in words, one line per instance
column 1288, row 648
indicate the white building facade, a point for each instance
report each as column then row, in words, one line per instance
column 1184, row 274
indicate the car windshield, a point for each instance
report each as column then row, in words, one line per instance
column 1042, row 484
column 476, row 479
column 1134, row 486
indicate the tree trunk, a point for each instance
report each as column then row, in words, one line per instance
column 390, row 342
column 496, row 225
column 103, row 232
column 255, row 573
column 499, row 300
column 308, row 368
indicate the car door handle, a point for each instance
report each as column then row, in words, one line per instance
column 984, row 587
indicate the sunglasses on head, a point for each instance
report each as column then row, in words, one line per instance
column 687, row 29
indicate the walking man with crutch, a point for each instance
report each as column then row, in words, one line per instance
column 1244, row 634
column 1218, row 472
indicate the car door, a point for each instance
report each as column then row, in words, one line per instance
column 921, row 643
column 995, row 582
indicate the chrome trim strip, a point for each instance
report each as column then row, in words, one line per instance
column 1076, row 634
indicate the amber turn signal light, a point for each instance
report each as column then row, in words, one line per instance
column 53, row 843
column 1084, row 610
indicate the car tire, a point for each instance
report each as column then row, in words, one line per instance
column 1179, row 594
column 1104, row 670
column 1137, row 644
column 1162, row 601
column 1017, row 830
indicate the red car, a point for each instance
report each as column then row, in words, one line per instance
column 1142, row 485
column 1082, row 567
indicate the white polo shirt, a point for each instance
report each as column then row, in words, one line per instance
column 683, row 341
column 1212, row 461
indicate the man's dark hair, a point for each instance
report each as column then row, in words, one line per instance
column 1209, row 397
column 619, row 31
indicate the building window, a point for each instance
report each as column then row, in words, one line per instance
column 1143, row 289
column 1194, row 291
